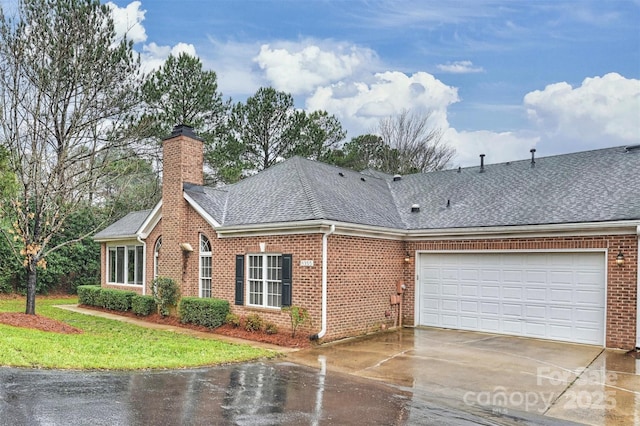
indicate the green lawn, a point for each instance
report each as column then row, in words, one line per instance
column 109, row 344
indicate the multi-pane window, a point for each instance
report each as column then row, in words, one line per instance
column 205, row 267
column 265, row 280
column 156, row 257
column 126, row 264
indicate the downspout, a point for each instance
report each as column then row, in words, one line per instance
column 325, row 238
column 144, row 265
column 638, row 291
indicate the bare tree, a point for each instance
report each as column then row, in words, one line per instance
column 411, row 146
column 66, row 84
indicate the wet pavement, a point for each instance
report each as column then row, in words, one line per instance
column 407, row 377
column 270, row 393
column 501, row 374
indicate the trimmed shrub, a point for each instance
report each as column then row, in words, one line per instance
column 270, row 328
column 210, row 313
column 116, row 300
column 88, row 294
column 143, row 305
column 166, row 293
column 232, row 319
column 253, row 322
column 298, row 317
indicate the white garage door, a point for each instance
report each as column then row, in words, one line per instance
column 557, row 296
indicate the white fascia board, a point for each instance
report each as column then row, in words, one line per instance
column 150, row 222
column 206, row 216
column 351, row 229
column 117, row 238
column 308, row 227
column 625, row 227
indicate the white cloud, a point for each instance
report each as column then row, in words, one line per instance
column 459, row 67
column 497, row 147
column 359, row 105
column 234, row 66
column 301, row 67
column 602, row 111
column 154, row 56
column 128, row 21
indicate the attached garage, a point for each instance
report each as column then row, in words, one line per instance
column 548, row 295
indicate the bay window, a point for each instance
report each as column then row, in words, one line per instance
column 126, row 264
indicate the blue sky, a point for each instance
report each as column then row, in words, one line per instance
column 499, row 77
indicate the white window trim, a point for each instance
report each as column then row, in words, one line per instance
column 205, row 254
column 156, row 254
column 265, row 281
column 126, row 246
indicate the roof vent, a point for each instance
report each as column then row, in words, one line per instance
column 341, row 174
column 630, row 148
column 459, row 169
column 397, row 178
column 533, row 157
column 415, row 208
column 363, row 179
column 448, row 203
column 481, row 163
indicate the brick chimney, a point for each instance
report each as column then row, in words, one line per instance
column 182, row 158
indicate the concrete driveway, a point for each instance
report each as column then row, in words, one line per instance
column 503, row 374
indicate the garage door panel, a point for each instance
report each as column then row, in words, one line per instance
column 535, row 294
column 490, row 308
column 535, row 277
column 489, row 275
column 588, row 297
column 558, row 296
column 511, row 309
column 557, row 313
column 469, row 290
column 492, row 291
column 560, row 332
column 533, row 312
column 510, row 292
column 491, row 325
column 469, row 306
column 561, row 277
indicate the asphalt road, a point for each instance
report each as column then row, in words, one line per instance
column 270, row 393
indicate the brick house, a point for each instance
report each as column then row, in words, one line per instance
column 545, row 248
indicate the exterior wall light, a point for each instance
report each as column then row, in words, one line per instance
column 407, row 258
column 620, row 259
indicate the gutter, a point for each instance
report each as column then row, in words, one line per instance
column 325, row 238
column 638, row 293
column 144, row 263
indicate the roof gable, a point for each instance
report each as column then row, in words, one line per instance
column 127, row 227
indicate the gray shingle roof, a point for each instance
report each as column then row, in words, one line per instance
column 300, row 189
column 591, row 186
column 125, row 227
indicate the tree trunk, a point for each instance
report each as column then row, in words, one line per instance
column 31, row 289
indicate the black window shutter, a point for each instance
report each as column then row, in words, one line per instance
column 239, row 279
column 287, row 269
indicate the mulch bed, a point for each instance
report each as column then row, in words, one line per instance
column 282, row 338
column 37, row 322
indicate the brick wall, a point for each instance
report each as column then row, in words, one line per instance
column 621, row 286
column 362, row 276
column 182, row 162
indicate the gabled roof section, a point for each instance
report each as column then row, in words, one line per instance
column 591, row 186
column 300, row 190
column 127, row 227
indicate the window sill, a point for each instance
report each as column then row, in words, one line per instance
column 262, row 308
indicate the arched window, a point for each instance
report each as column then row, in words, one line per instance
column 156, row 255
column 205, row 266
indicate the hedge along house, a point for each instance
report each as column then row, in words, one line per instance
column 544, row 248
